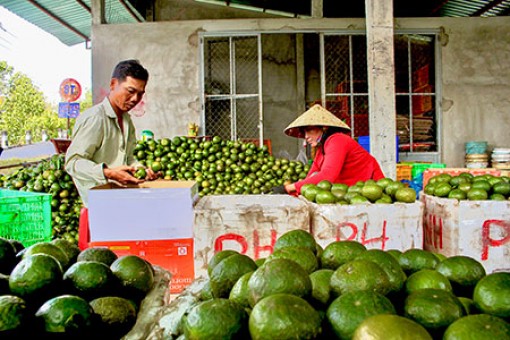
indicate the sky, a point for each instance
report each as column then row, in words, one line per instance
column 42, row 57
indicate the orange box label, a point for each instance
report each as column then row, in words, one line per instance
column 176, row 256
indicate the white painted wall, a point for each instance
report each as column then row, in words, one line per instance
column 474, row 81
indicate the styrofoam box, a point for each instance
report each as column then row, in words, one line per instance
column 249, row 224
column 377, row 226
column 479, row 229
column 155, row 210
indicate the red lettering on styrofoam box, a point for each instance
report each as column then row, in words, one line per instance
column 433, row 231
column 489, row 226
column 240, row 239
column 244, row 245
column 382, row 239
column 353, row 234
column 257, row 248
column 346, row 225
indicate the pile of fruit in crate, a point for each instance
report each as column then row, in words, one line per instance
column 219, row 166
column 49, row 176
column 466, row 186
column 383, row 191
column 344, row 291
column 52, row 288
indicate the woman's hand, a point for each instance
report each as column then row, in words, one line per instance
column 290, row 188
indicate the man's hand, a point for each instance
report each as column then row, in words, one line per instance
column 122, row 174
column 151, row 175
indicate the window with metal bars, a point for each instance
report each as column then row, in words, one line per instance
column 231, row 86
column 335, row 67
column 346, row 87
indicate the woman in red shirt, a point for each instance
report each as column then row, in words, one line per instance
column 338, row 157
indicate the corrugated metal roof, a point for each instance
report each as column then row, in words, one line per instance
column 356, row 9
column 69, row 20
column 476, row 8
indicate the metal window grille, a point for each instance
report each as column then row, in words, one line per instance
column 232, row 87
column 345, row 86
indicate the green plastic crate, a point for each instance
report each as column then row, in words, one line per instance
column 25, row 216
column 419, row 168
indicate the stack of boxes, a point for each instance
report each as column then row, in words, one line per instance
column 153, row 220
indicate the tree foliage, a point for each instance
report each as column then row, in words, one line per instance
column 23, row 107
column 86, row 101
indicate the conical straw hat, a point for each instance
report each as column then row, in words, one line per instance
column 315, row 116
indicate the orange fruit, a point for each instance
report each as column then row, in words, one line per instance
column 348, row 310
column 390, row 327
column 416, row 259
column 434, row 309
column 359, row 275
column 479, row 326
column 463, row 272
column 492, row 294
column 427, row 278
column 337, row 253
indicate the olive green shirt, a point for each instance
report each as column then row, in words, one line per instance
column 98, row 142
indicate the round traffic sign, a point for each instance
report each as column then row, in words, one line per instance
column 70, row 90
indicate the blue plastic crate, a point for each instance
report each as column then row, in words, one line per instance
column 25, row 216
column 364, row 141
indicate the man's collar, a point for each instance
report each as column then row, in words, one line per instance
column 108, row 108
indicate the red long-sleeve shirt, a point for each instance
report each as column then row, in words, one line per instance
column 343, row 161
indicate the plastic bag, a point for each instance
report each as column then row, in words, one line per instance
column 167, row 324
column 301, row 157
column 151, row 306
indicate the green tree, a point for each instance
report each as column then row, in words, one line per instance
column 86, row 101
column 23, row 107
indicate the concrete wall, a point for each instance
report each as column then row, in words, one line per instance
column 169, row 10
column 474, row 79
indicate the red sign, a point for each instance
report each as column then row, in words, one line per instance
column 70, row 90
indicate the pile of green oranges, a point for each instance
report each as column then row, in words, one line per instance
column 49, row 176
column 466, row 186
column 347, row 291
column 383, row 191
column 218, row 166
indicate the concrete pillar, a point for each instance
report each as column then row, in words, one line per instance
column 98, row 12
column 381, row 80
column 317, row 8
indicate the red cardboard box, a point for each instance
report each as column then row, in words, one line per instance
column 176, row 256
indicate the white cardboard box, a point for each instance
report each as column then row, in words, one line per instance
column 479, row 229
column 156, row 210
column 249, row 224
column 377, row 226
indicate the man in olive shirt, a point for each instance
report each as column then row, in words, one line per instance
column 104, row 139
column 104, row 135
